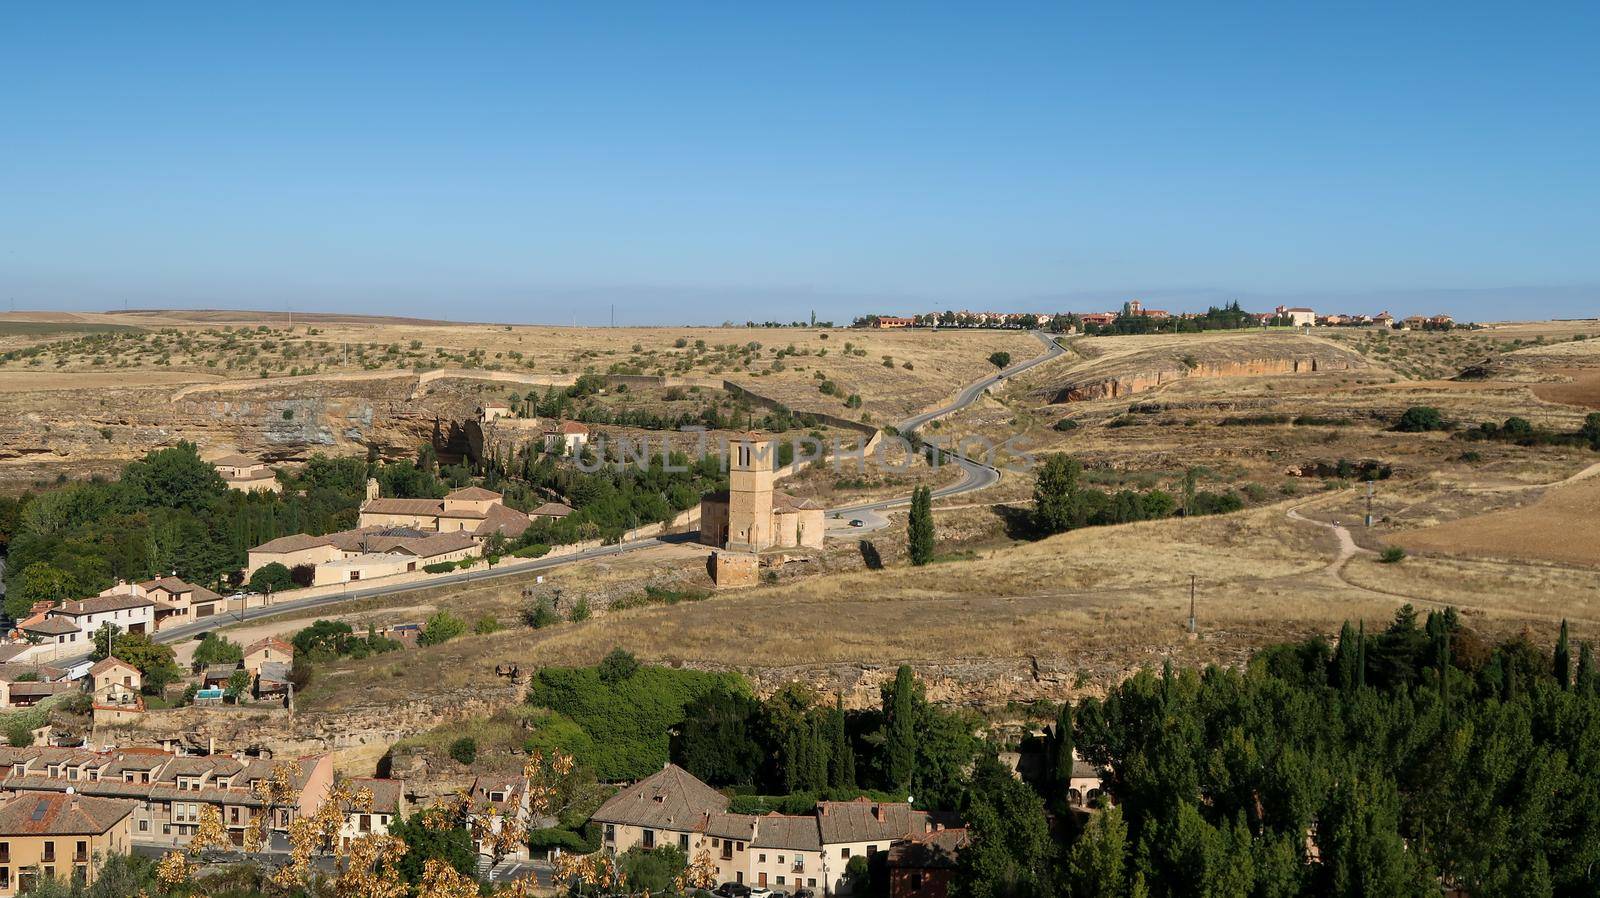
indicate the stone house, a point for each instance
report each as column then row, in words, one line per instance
column 128, row 613
column 64, row 836
column 176, row 601
column 472, row 509
column 776, row 851
column 388, row 805
column 241, row 472
column 267, row 651
column 566, row 438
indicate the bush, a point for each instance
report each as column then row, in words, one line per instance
column 442, row 627
column 1000, row 359
column 1392, row 555
column 1420, row 418
column 486, row 625
column 464, row 750
column 537, row 550
column 580, row 611
column 440, row 567
column 541, row 615
column 1066, row 424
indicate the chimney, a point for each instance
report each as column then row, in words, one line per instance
column 877, row 812
column 822, row 809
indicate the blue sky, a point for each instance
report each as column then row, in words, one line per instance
column 701, row 162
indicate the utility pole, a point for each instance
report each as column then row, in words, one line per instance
column 1369, row 503
column 1191, row 604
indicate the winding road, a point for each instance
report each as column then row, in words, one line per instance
column 975, row 476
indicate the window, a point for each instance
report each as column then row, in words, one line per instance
column 844, row 852
column 5, row 877
column 649, row 838
column 49, row 873
column 81, row 855
column 780, row 879
column 811, row 882
column 916, row 882
column 872, row 850
column 763, row 857
column 5, row 852
column 780, row 858
column 366, row 823
column 611, row 832
column 144, row 826
column 683, row 841
column 49, row 852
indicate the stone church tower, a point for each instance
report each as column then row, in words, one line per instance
column 750, row 479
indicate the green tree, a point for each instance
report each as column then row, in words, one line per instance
column 440, row 628
column 271, row 577
column 841, row 757
column 1346, row 657
column 1057, row 500
column 1000, row 359
column 39, row 582
column 652, row 871
column 1585, row 681
column 1061, row 751
column 900, row 745
column 217, row 649
column 153, row 660
column 426, row 841
column 1563, row 658
column 717, row 740
column 618, row 665
column 919, row 526
column 1097, row 864
column 172, row 478
column 464, row 750
column 1010, row 854
column 238, row 684
column 1419, row 418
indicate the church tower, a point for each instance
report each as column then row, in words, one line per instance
column 751, row 460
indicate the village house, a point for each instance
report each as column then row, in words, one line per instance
column 1299, row 316
column 271, row 650
column 365, row 553
column 887, row 322
column 388, row 805
column 168, row 791
column 246, row 474
column 472, row 509
column 64, row 836
column 775, row 851
column 566, row 438
column 922, row 866
column 128, row 613
column 23, row 685
column 114, row 681
column 176, row 601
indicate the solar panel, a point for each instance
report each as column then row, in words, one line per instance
column 41, row 809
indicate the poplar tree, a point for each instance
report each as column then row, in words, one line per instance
column 1061, row 749
column 1586, row 672
column 842, row 759
column 1345, row 659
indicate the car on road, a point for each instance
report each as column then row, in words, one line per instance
column 857, row 522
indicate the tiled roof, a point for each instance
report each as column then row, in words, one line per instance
column 61, row 815
column 110, row 664
column 855, row 821
column 421, row 507
column 568, row 427
column 294, row 542
column 936, row 849
column 472, row 494
column 386, row 794
column 739, row 827
column 508, row 521
column 10, row 672
column 789, row 832
column 551, row 510
column 667, row 798
column 270, row 642
column 236, row 461
column 102, row 604
column 51, row 626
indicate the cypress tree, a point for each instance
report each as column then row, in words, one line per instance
column 841, row 758
column 1563, row 658
column 1345, row 659
column 1361, row 656
column 900, row 748
column 1061, row 749
column 919, row 526
column 1586, row 672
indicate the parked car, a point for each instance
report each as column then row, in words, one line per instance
column 804, row 893
column 760, row 892
column 733, row 890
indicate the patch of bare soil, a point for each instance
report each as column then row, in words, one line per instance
column 1582, row 388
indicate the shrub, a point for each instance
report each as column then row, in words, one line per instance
column 1419, row 418
column 439, row 567
column 1392, row 554
column 486, row 625
column 1066, row 424
column 541, row 615
column 464, row 750
column 442, row 627
column 537, row 550
column 580, row 611
column 1000, row 359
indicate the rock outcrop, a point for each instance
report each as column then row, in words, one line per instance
column 1138, row 372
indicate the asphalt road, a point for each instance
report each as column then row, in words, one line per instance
column 975, row 476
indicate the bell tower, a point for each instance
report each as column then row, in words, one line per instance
column 751, row 460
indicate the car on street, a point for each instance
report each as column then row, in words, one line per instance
column 857, row 522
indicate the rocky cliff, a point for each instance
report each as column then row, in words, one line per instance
column 1136, row 372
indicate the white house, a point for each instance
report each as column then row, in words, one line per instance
column 128, row 613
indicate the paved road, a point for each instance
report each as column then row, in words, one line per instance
column 975, row 476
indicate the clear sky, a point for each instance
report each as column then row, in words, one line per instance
column 700, row 162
